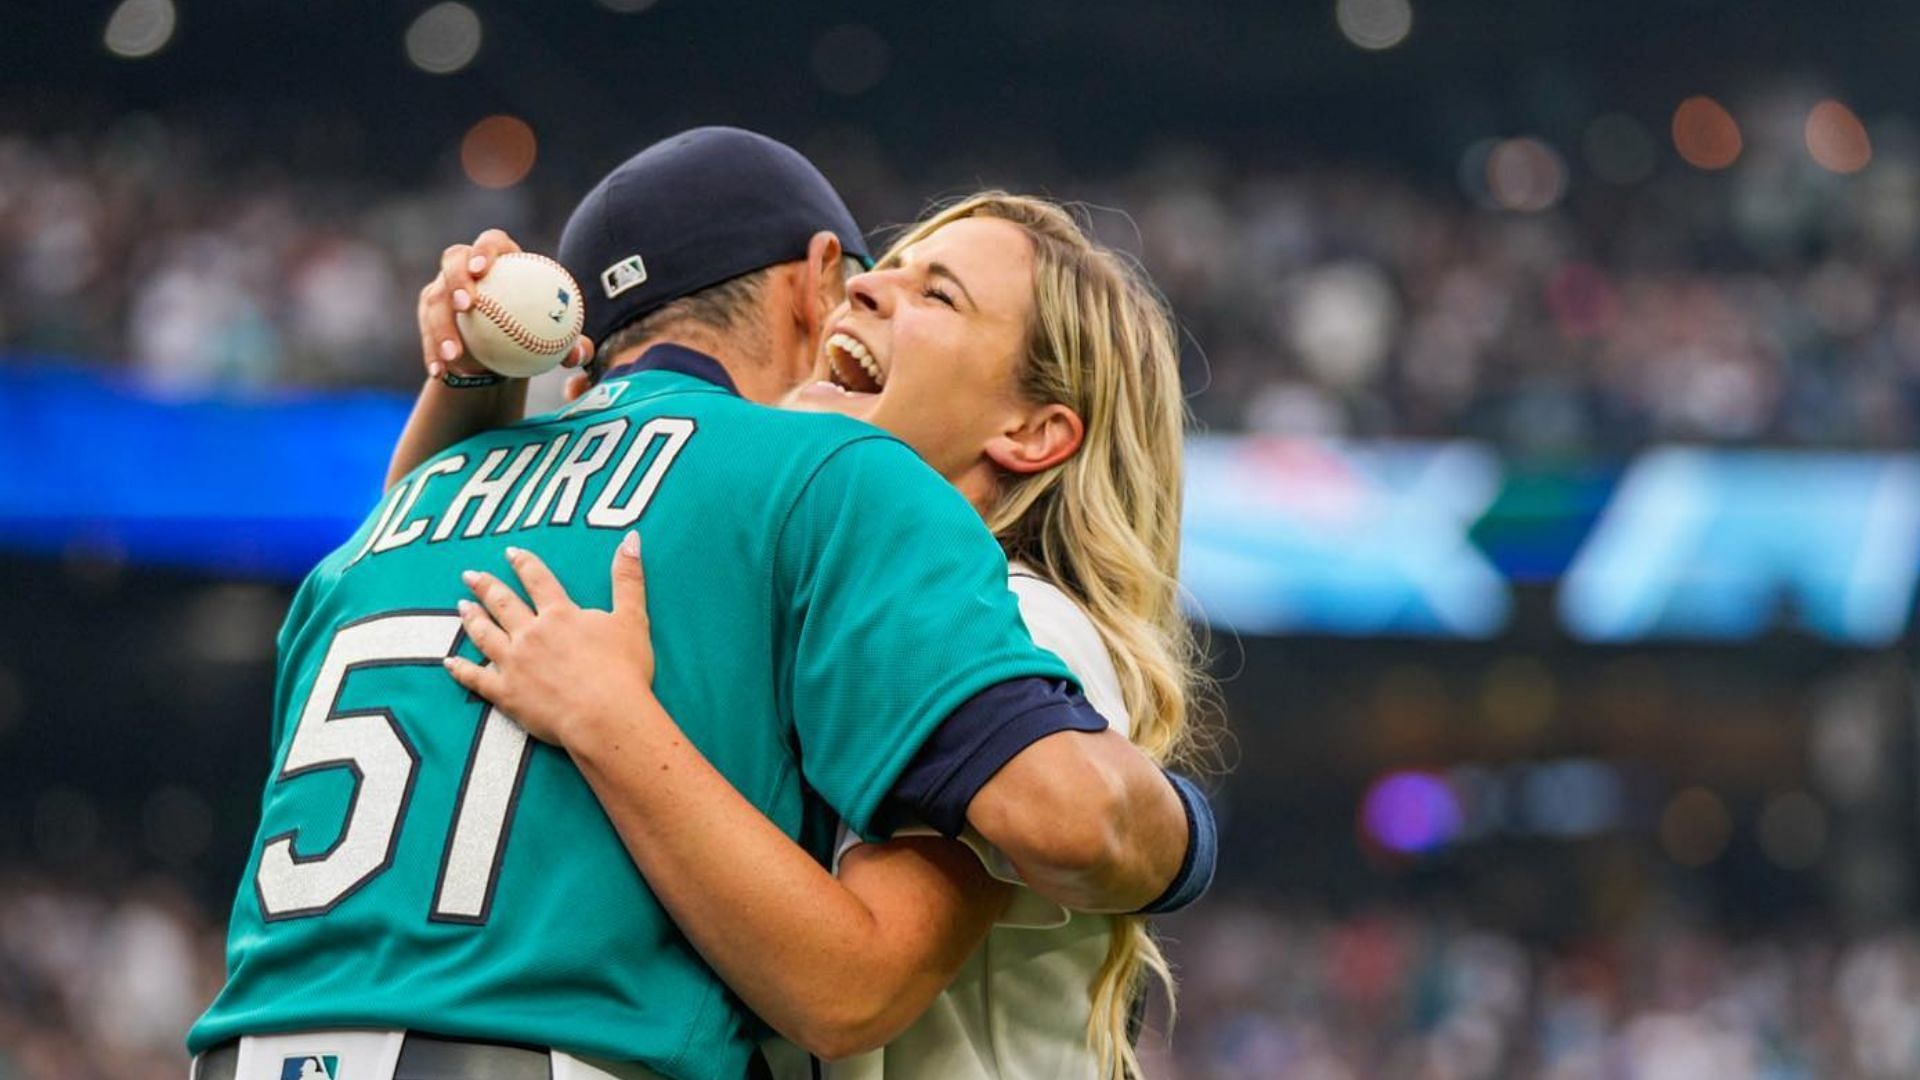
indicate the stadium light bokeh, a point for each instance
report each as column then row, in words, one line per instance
column 140, row 28
column 1837, row 139
column 1705, row 134
column 1526, row 175
column 1374, row 25
column 499, row 151
column 1410, row 812
column 444, row 38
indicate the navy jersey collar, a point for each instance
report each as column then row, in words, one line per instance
column 677, row 358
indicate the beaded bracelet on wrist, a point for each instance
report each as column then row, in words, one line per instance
column 471, row 382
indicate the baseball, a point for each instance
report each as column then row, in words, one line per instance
column 526, row 315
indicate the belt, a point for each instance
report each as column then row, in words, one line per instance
column 421, row 1058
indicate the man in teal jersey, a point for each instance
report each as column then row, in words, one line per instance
column 834, row 633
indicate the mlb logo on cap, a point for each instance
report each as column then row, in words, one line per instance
column 623, row 275
column 706, row 206
column 311, row 1067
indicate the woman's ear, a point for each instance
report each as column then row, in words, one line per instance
column 1046, row 437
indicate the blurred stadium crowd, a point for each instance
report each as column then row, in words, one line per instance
column 1515, row 305
column 1405, row 993
column 101, row 983
column 98, row 986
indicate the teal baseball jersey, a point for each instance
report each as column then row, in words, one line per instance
column 820, row 601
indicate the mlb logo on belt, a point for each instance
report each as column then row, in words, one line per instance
column 311, row 1067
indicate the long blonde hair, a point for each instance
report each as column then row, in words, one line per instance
column 1105, row 524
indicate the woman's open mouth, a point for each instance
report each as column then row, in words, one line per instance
column 851, row 367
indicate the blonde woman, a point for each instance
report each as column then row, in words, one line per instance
column 1038, row 373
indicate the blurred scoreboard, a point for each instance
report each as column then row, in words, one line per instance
column 1289, row 536
column 95, row 467
column 1706, row 544
column 1401, row 539
column 1432, row 538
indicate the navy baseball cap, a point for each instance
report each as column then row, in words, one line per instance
column 691, row 211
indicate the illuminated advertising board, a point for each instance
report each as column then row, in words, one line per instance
column 1283, row 536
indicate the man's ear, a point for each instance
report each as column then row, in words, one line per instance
column 1045, row 437
column 823, row 282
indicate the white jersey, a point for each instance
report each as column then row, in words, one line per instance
column 1020, row 1004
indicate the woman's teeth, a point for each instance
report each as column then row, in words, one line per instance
column 845, row 345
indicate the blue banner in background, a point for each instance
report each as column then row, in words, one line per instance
column 1726, row 545
column 255, row 487
column 1282, row 536
column 1289, row 536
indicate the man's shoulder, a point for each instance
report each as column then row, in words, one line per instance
column 837, row 449
column 825, row 431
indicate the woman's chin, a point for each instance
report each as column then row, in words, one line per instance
column 824, row 396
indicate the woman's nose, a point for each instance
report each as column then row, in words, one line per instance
column 865, row 291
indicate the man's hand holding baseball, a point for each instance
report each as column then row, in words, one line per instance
column 451, row 292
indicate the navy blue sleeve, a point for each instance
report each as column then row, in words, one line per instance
column 1203, row 851
column 975, row 740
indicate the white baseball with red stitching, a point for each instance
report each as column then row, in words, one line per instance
column 526, row 315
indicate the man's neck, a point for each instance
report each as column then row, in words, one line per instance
column 748, row 372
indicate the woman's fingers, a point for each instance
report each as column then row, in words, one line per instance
column 502, row 603
column 629, row 580
column 542, row 587
column 485, row 633
column 484, row 681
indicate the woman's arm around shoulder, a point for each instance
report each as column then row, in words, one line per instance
column 838, row 966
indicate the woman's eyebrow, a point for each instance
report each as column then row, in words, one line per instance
column 940, row 269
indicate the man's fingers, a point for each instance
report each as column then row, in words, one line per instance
column 629, row 579
column 486, row 634
column 487, row 247
column 581, row 352
column 502, row 603
column 439, row 335
column 456, row 268
column 484, row 681
column 429, row 339
column 545, row 589
column 452, row 292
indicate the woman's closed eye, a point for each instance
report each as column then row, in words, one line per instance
column 935, row 292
